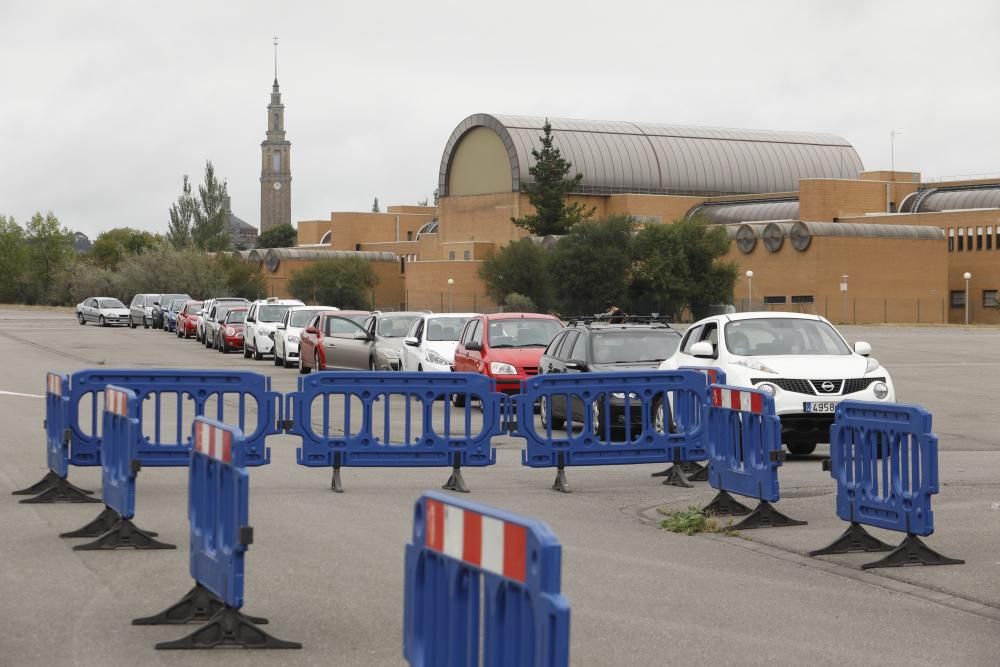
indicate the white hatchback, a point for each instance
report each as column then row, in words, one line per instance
column 288, row 330
column 261, row 325
column 800, row 360
column 430, row 344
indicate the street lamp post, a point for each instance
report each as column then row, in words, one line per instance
column 968, row 277
column 451, row 283
column 749, row 275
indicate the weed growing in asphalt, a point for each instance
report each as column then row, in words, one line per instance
column 692, row 521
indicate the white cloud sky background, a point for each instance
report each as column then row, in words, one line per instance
column 107, row 104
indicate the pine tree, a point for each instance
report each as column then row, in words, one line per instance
column 181, row 215
column 209, row 231
column 375, row 208
column 547, row 193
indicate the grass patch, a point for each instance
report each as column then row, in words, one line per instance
column 693, row 521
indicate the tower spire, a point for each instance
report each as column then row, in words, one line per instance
column 275, row 60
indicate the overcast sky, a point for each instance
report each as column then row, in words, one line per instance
column 107, row 104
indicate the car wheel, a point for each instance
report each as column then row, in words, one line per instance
column 801, row 448
column 131, row 322
column 371, row 364
column 257, row 356
column 223, row 347
column 246, row 350
column 82, row 320
column 663, row 416
column 278, row 361
column 598, row 415
column 545, row 411
column 458, row 400
column 420, row 368
column 100, row 321
column 145, row 322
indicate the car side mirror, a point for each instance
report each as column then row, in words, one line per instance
column 281, row 326
column 703, row 350
column 474, row 346
column 312, row 330
column 862, row 348
column 412, row 341
column 576, row 364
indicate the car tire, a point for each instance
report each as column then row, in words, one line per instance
column 101, row 322
column 257, row 356
column 458, row 400
column 801, row 448
column 81, row 319
column 223, row 348
column 660, row 419
column 131, row 322
column 145, row 322
column 278, row 361
column 246, row 350
column 547, row 416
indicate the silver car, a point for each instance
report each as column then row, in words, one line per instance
column 102, row 310
column 141, row 310
column 387, row 331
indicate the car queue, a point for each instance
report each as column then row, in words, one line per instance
column 802, row 361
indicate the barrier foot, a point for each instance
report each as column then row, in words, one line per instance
column 700, row 474
column 104, row 522
column 124, row 535
column 63, row 492
column 912, row 551
column 44, row 484
column 854, row 539
column 560, row 485
column 228, row 628
column 675, row 477
column 662, row 473
column 456, row 482
column 335, row 484
column 198, row 606
column 725, row 505
column 765, row 516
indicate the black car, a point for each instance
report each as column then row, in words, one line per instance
column 598, row 344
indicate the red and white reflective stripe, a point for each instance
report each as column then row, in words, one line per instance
column 116, row 401
column 497, row 546
column 213, row 441
column 733, row 399
column 54, row 383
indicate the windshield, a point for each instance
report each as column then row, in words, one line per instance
column 177, row 305
column 783, row 336
column 110, row 303
column 620, row 347
column 221, row 311
column 445, row 328
column 300, row 318
column 522, row 332
column 271, row 313
column 396, row 326
column 236, row 317
column 151, row 299
column 193, row 308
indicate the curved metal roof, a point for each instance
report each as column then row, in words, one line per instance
column 735, row 212
column 857, row 229
column 274, row 256
column 619, row 157
column 933, row 200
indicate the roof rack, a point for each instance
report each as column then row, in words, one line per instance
column 587, row 320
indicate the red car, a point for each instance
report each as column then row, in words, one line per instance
column 231, row 331
column 504, row 346
column 312, row 352
column 187, row 319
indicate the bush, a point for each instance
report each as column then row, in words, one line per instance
column 344, row 282
column 518, row 303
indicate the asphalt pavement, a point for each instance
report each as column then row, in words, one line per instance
column 327, row 569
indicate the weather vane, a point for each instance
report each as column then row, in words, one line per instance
column 275, row 57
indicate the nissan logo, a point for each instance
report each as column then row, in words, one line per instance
column 827, row 386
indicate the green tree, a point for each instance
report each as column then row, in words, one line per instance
column 242, row 278
column 181, row 217
column 591, row 265
column 13, row 260
column 520, row 268
column 209, row 230
column 375, row 208
column 113, row 245
column 344, row 282
column 547, row 193
column 50, row 250
column 279, row 236
column 679, row 266
column 436, row 197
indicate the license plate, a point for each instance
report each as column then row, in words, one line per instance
column 819, row 407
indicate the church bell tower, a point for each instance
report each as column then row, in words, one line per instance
column 275, row 168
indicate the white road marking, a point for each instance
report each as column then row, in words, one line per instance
column 15, row 393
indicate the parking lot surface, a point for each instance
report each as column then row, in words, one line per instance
column 327, row 570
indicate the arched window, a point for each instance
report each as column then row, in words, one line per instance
column 326, row 238
column 276, row 161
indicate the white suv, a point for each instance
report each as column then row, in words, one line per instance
column 800, row 360
column 262, row 318
column 286, row 337
column 430, row 344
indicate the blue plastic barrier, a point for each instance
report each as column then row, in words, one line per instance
column 521, row 615
column 884, row 458
column 744, row 448
column 218, row 510
column 175, row 397
column 113, row 527
column 54, row 487
column 344, row 419
column 611, row 419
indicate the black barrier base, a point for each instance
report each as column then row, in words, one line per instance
column 560, row 484
column 675, row 477
column 104, row 522
column 62, row 492
column 456, row 482
column 228, row 628
column 854, row 539
column 700, row 474
column 765, row 516
column 912, row 551
column 725, row 505
column 124, row 535
column 688, row 468
column 198, row 606
column 44, row 484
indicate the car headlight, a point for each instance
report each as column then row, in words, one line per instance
column 389, row 352
column 881, row 390
column 500, row 368
column 872, row 365
column 435, row 358
column 754, row 365
column 293, row 339
column 767, row 388
column 230, row 331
